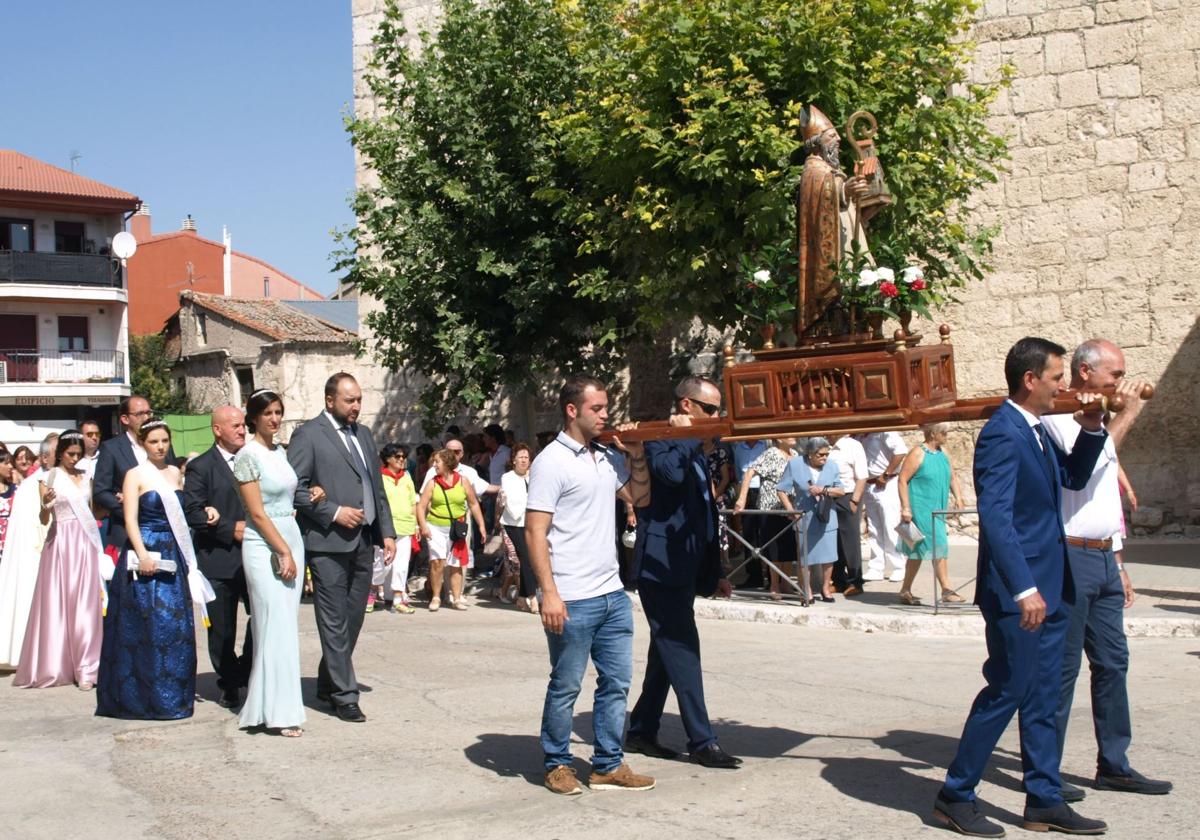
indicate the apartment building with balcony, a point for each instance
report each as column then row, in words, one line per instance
column 64, row 325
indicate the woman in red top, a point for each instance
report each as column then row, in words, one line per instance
column 445, row 500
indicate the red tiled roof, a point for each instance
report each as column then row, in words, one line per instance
column 273, row 318
column 21, row 173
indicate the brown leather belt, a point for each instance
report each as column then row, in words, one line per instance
column 1097, row 545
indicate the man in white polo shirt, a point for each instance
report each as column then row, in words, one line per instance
column 571, row 533
column 1092, row 521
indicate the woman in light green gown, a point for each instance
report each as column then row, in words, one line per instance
column 267, row 485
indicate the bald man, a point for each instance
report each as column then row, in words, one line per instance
column 210, row 484
column 1093, row 524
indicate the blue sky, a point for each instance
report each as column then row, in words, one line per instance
column 230, row 111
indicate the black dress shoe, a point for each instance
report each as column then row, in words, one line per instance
column 350, row 713
column 648, row 746
column 715, row 757
column 964, row 817
column 1135, row 782
column 1061, row 818
column 1070, row 793
column 229, row 699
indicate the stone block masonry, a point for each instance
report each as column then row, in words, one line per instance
column 1104, row 119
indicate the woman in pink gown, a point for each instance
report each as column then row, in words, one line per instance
column 62, row 638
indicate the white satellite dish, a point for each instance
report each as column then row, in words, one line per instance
column 124, row 245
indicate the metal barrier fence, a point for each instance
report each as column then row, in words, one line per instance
column 801, row 584
column 933, row 548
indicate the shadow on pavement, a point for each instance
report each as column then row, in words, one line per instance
column 521, row 755
column 308, row 689
column 1173, row 594
column 206, row 687
column 514, row 756
column 1178, row 608
column 737, row 738
column 892, row 783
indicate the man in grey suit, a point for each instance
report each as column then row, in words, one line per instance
column 333, row 452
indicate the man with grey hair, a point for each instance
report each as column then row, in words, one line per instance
column 46, row 452
column 1093, row 523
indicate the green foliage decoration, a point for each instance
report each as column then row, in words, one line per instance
column 687, row 128
column 150, row 374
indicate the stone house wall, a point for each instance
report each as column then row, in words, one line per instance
column 1099, row 218
column 1099, row 215
column 295, row 370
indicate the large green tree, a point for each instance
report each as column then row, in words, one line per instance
column 476, row 274
column 558, row 178
column 150, row 374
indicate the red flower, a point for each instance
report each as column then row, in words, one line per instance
column 888, row 290
column 919, row 284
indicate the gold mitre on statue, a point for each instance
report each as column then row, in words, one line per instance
column 813, row 122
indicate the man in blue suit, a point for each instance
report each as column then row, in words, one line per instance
column 1023, row 580
column 677, row 555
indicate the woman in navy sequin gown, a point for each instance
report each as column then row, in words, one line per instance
column 148, row 656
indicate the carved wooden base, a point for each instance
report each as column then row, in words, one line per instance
column 843, row 386
column 838, row 387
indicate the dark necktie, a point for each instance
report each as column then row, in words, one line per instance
column 361, row 467
column 700, row 465
column 1045, row 441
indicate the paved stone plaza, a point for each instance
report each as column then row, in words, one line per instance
column 845, row 733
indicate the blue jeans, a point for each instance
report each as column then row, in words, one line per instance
column 600, row 628
column 1097, row 626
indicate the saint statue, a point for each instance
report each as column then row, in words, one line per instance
column 832, row 211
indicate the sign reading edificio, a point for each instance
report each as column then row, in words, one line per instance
column 62, row 400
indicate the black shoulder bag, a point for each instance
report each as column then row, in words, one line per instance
column 458, row 530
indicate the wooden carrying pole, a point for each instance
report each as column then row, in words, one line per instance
column 976, row 408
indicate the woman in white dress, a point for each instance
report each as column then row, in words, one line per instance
column 267, row 485
column 19, row 564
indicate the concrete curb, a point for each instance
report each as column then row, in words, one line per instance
column 958, row 622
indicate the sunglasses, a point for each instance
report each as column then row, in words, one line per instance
column 707, row 408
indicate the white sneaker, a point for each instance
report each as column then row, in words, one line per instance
column 897, row 576
column 871, row 574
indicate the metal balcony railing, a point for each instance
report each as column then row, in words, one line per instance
column 65, row 366
column 62, row 269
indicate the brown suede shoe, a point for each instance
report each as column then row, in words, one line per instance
column 623, row 778
column 562, row 780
